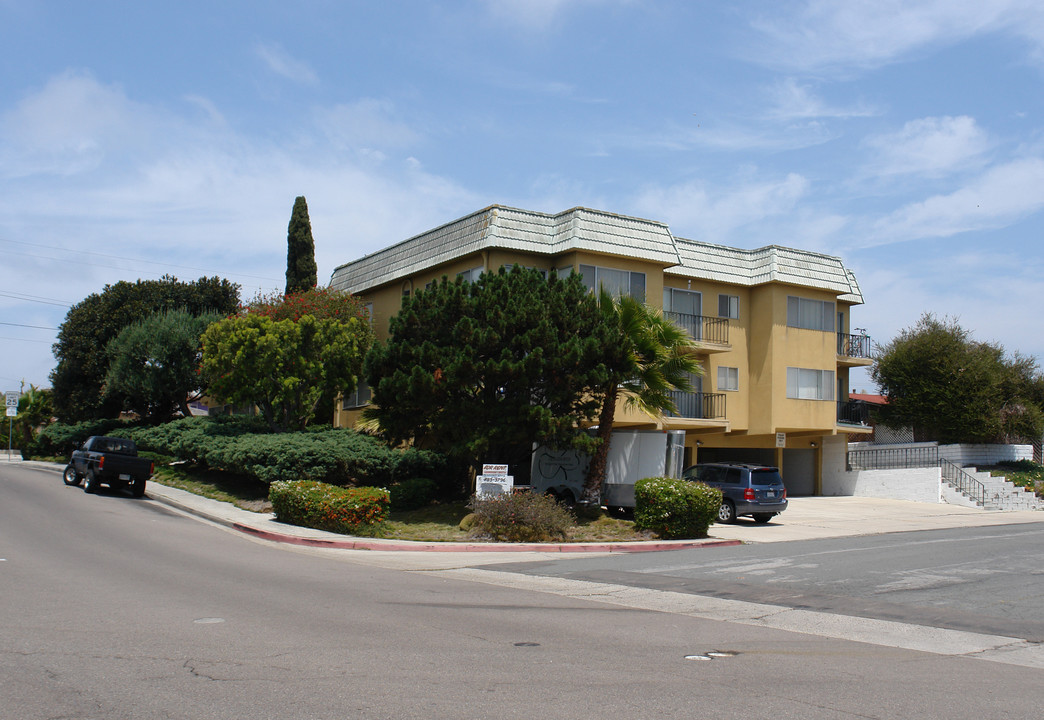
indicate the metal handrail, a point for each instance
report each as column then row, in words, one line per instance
column 957, row 478
column 701, row 327
column 854, row 346
column 707, row 406
column 891, row 458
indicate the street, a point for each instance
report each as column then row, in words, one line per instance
column 120, row 608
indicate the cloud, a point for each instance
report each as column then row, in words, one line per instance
column 695, row 212
column 869, row 33
column 537, row 14
column 932, row 146
column 997, row 198
column 792, row 100
column 283, row 64
column 365, row 123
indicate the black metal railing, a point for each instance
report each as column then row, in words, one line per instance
column 701, row 327
column 890, row 458
column 957, row 478
column 706, row 406
column 853, row 412
column 854, row 346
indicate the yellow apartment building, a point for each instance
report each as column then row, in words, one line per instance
column 774, row 324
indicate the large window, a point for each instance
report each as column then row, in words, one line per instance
column 686, row 302
column 472, row 275
column 617, row 282
column 357, row 398
column 728, row 378
column 728, row 306
column 810, row 314
column 805, row 384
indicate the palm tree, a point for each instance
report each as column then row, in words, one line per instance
column 647, row 358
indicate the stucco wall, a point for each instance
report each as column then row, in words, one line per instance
column 917, row 484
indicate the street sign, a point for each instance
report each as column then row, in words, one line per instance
column 12, row 412
column 12, row 398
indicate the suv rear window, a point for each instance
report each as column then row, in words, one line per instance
column 765, row 476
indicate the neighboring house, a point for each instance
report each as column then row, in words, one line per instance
column 773, row 323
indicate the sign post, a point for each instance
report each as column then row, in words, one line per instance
column 11, row 398
column 494, row 480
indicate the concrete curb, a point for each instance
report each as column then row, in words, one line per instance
column 229, row 516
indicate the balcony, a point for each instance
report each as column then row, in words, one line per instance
column 853, row 412
column 854, row 350
column 699, row 406
column 711, row 332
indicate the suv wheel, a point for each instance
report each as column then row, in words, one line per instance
column 727, row 512
column 763, row 517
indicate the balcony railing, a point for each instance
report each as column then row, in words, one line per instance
column 701, row 327
column 853, row 412
column 853, row 346
column 706, row 406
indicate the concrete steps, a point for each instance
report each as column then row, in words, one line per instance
column 1000, row 493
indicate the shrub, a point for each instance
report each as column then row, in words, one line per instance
column 328, row 507
column 62, row 439
column 412, row 494
column 520, row 517
column 675, row 509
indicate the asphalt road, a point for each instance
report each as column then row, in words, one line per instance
column 112, row 607
column 978, row 579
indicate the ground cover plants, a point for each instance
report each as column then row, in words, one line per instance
column 1022, row 473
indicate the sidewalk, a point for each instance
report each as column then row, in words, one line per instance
column 806, row 518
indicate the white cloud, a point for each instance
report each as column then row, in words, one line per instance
column 365, row 123
column 713, row 216
column 283, row 64
column 932, row 146
column 792, row 100
column 537, row 14
column 999, row 197
column 870, row 33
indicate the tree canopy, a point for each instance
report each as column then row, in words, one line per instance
column 951, row 389
column 647, row 357
column 79, row 376
column 154, row 363
column 285, row 362
column 483, row 370
column 301, row 270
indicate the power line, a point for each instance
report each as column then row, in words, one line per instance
column 35, row 327
column 36, row 299
column 45, row 342
column 121, row 257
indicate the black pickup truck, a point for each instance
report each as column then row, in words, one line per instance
column 111, row 461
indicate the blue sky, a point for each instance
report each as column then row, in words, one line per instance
column 138, row 139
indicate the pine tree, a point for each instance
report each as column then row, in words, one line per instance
column 301, row 270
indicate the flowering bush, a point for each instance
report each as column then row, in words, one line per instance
column 520, row 517
column 675, row 509
column 321, row 303
column 328, row 507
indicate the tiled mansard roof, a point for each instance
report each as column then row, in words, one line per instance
column 498, row 227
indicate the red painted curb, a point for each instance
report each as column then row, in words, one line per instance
column 364, row 544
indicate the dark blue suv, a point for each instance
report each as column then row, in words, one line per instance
column 746, row 489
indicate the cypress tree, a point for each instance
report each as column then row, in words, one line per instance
column 301, row 270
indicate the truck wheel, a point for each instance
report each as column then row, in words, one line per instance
column 727, row 512
column 138, row 488
column 70, row 476
column 92, row 485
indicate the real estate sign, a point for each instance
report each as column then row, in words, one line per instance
column 494, row 480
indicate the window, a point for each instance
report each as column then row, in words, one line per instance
column 542, row 271
column 805, row 384
column 617, row 282
column 368, row 307
column 358, row 398
column 728, row 378
column 686, row 302
column 728, row 306
column 471, row 275
column 810, row 314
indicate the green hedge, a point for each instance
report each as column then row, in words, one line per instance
column 328, row 507
column 675, row 509
column 330, row 455
column 412, row 493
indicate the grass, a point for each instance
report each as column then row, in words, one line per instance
column 435, row 523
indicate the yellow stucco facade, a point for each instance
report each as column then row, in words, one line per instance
column 773, row 323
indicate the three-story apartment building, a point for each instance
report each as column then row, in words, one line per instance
column 773, row 324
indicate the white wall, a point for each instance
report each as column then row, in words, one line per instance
column 918, row 484
column 968, row 454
